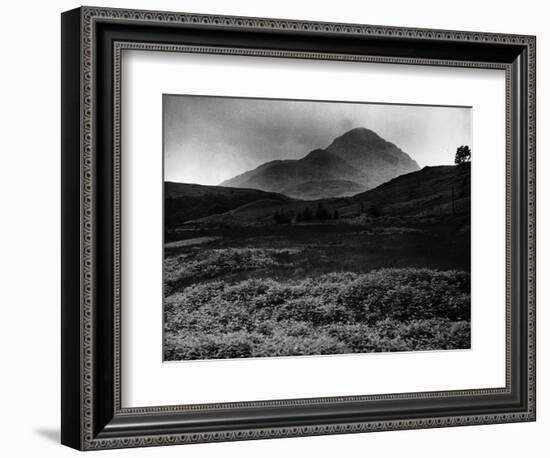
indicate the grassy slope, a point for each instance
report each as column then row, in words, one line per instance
column 421, row 192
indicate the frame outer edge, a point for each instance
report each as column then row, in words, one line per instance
column 309, row 26
column 71, row 306
column 531, row 222
column 88, row 16
column 88, row 193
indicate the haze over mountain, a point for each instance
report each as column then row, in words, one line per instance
column 354, row 162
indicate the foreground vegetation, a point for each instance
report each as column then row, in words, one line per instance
column 382, row 310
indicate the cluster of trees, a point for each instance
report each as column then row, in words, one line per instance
column 370, row 209
column 282, row 217
column 306, row 214
column 321, row 213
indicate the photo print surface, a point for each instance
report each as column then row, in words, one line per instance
column 296, row 227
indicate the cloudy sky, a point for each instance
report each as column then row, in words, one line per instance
column 210, row 139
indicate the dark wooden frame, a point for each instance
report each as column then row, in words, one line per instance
column 92, row 40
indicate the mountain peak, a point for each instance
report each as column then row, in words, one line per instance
column 357, row 159
column 361, row 133
column 358, row 137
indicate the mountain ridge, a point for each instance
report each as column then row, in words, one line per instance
column 359, row 157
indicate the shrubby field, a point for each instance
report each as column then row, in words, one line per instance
column 204, row 264
column 316, row 292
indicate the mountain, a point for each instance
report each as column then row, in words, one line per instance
column 184, row 202
column 356, row 161
column 289, row 177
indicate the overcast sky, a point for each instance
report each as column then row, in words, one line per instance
column 210, row 139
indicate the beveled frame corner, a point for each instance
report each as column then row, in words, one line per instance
column 93, row 40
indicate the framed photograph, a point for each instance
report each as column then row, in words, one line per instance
column 276, row 228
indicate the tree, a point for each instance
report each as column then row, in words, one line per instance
column 280, row 217
column 336, row 215
column 322, row 212
column 463, row 155
column 291, row 217
column 372, row 210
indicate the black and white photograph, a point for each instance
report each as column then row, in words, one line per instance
column 277, row 221
column 296, row 227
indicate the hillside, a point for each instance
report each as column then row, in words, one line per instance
column 430, row 191
column 184, row 202
column 356, row 161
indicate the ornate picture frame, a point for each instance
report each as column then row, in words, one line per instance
column 93, row 416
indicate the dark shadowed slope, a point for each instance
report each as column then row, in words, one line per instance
column 184, row 202
column 355, row 161
column 430, row 191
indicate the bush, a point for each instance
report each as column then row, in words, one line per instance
column 406, row 294
column 200, row 264
column 194, row 346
